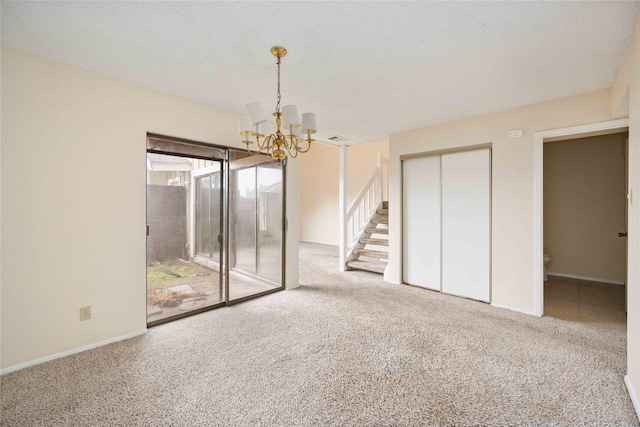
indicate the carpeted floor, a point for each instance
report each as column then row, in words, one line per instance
column 346, row 349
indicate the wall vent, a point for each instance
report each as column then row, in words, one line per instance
column 336, row 138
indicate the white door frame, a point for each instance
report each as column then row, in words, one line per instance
column 538, row 230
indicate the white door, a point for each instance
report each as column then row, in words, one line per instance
column 421, row 221
column 466, row 195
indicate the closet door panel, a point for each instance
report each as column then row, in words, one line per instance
column 421, row 221
column 466, row 196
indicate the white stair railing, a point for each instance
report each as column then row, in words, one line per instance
column 364, row 207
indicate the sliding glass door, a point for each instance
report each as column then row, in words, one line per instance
column 215, row 231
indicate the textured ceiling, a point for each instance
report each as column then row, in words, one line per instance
column 367, row 69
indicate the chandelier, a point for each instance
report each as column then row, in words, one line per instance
column 288, row 138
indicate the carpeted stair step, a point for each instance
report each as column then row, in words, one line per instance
column 385, row 205
column 383, row 220
column 371, row 253
column 374, row 230
column 382, row 211
column 372, row 241
column 374, row 267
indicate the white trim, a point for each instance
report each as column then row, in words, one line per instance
column 590, row 279
column 530, row 313
column 633, row 395
column 70, row 352
column 538, row 140
column 386, row 276
column 538, row 231
column 379, row 179
column 576, row 130
column 342, row 207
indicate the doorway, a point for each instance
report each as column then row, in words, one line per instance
column 585, row 229
column 215, row 232
column 540, row 138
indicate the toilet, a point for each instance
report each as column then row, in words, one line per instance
column 547, row 258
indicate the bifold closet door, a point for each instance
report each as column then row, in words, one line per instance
column 421, row 221
column 466, row 196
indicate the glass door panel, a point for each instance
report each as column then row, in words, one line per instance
column 270, row 197
column 245, row 220
column 203, row 216
column 208, row 216
column 183, row 225
column 255, row 215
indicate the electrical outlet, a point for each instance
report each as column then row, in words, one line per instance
column 85, row 312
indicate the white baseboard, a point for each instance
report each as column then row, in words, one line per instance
column 530, row 313
column 633, row 395
column 590, row 279
column 70, row 352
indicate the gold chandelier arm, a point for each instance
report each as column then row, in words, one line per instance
column 293, row 154
column 308, row 145
column 265, row 142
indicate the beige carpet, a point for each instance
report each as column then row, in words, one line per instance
column 345, row 349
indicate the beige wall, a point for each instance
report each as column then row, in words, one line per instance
column 361, row 163
column 319, row 182
column 73, row 201
column 319, row 194
column 585, row 207
column 512, row 234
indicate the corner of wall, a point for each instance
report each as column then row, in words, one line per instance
column 393, row 272
column 632, row 395
column 620, row 89
column 292, row 258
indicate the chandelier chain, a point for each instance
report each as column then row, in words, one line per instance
column 278, row 103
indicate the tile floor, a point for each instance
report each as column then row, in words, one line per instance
column 592, row 303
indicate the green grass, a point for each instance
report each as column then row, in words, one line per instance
column 157, row 273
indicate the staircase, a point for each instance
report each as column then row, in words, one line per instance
column 371, row 252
